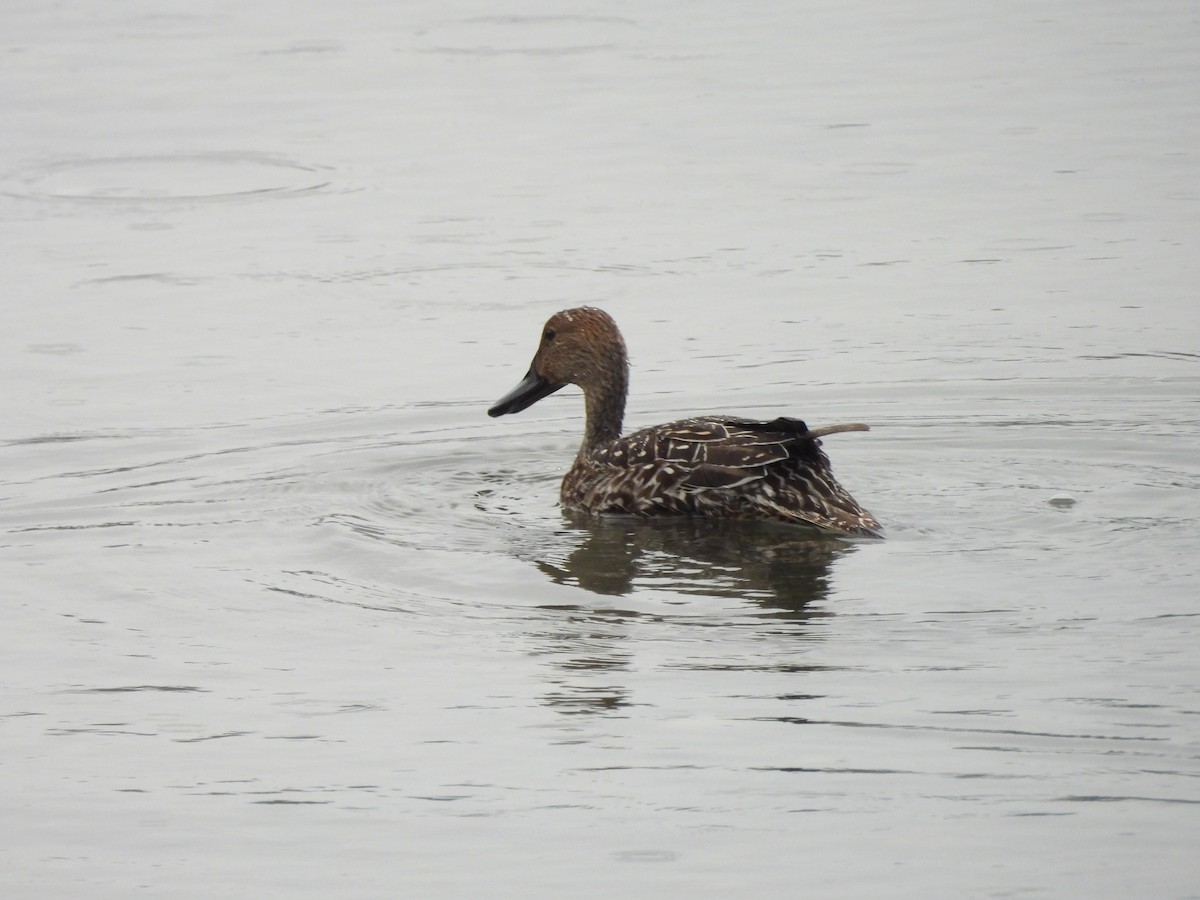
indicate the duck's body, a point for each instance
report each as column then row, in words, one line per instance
column 718, row 467
column 712, row 466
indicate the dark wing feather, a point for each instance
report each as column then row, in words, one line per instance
column 719, row 442
column 708, row 477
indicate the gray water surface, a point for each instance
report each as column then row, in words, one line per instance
column 286, row 614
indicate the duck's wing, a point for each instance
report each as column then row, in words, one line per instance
column 730, row 466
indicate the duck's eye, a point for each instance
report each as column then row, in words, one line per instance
column 548, row 335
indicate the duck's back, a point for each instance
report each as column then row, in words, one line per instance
column 717, row 467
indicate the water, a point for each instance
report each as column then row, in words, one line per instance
column 286, row 613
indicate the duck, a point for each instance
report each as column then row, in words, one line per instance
column 712, row 466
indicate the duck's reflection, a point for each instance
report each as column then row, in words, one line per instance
column 778, row 570
column 778, row 567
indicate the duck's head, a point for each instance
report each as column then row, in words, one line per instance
column 578, row 346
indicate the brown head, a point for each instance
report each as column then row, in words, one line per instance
column 578, row 346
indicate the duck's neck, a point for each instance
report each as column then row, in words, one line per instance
column 605, row 404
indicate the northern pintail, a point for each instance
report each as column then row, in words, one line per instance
column 714, row 466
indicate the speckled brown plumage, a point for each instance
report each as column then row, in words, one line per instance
column 712, row 466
